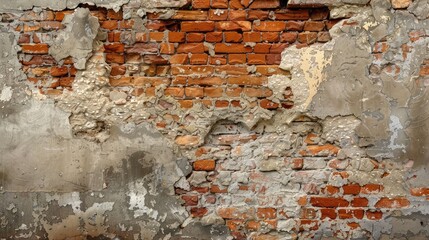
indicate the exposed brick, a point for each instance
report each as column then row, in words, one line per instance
column 307, row 37
column 236, row 212
column 59, row 71
column 257, row 59
column 221, row 104
column 292, row 14
column 359, row 202
column 237, row 15
column 314, row 26
column 110, row 24
column 294, row 26
column 323, row 37
column 374, row 215
column 187, row 140
column 176, row 37
column 257, row 15
column 328, row 202
column 235, row 4
column 185, row 103
column 143, row 48
column 257, row 92
column 418, row 192
column 196, row 4
column 175, row 92
column 190, row 200
column 189, row 15
column 179, row 59
column 199, row 59
column 214, row 37
column 234, row 26
column 268, row 104
column 198, row 26
column 198, row 211
column 114, row 47
column 194, row 37
column 289, row 37
column 257, row 4
column 218, row 14
column 319, row 150
column 247, row 80
column 392, row 203
column 269, row 26
column 166, row 48
column 219, row 4
column 237, row 58
column 191, row 48
column 191, row 92
column 233, row 37
column 35, row 48
column 232, row 48
column 156, row 36
column 328, row 213
column 120, row 82
column 204, row 165
column 213, row 92
column 115, row 58
column 266, row 213
column 118, row 70
column 351, row 189
column 252, row 37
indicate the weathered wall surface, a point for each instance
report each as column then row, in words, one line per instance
column 240, row 119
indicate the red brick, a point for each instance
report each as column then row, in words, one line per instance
column 323, row 37
column 198, row 211
column 257, row 15
column 359, row 202
column 179, row 59
column 232, row 70
column 200, row 4
column 174, row 91
column 176, row 37
column 149, row 81
column 233, row 37
column 114, row 47
column 252, row 37
column 194, row 37
column 328, row 202
column 257, row 92
column 257, row 59
column 292, row 14
column 214, row 37
column 273, row 59
column 392, row 203
column 237, row 58
column 115, row 58
column 35, row 48
column 187, row 140
column 314, row 26
column 111, row 14
column 191, row 48
column 198, row 26
column 374, row 215
column 294, row 26
column 185, row 103
column 218, row 15
column 232, row 48
column 269, row 70
column 289, row 37
column 59, row 71
column 40, row 60
column 126, row 24
column 66, row 81
column 199, row 59
column 206, row 81
column 140, row 37
column 118, row 70
column 204, row 165
column 268, row 104
column 156, row 36
column 278, row 47
column 234, row 26
column 269, row 26
column 190, row 200
column 109, row 24
column 221, row 104
column 213, row 92
column 350, row 213
column 166, row 48
column 217, row 189
column 51, row 25
column 217, row 60
column 248, row 80
column 328, row 213
column 219, row 4
column 270, row 37
column 143, row 48
column 351, row 189
column 237, row 15
column 235, row 4
column 319, row 14
column 320, row 150
column 189, row 15
column 262, row 48
column 371, row 189
column 236, row 212
column 192, row 92
column 266, row 213
column 418, row 192
column 188, row 70
column 119, row 82
column 257, row 4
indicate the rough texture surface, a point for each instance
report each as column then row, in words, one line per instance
column 147, row 119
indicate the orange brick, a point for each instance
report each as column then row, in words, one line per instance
column 328, row 213
column 248, row 80
column 140, row 37
column 236, row 212
column 115, row 58
column 269, row 26
column 200, row 4
column 351, row 189
column 179, row 59
column 392, row 203
column 199, row 59
column 187, row 140
column 418, row 192
column 111, row 14
column 232, row 48
column 213, row 92
column 268, row 104
column 269, row 70
column 235, row 4
column 289, row 37
column 292, row 14
column 206, row 81
column 218, row 15
column 294, row 26
column 51, row 25
column 109, row 24
column 270, row 36
column 191, row 92
column 178, row 37
column 262, row 48
column 233, row 37
column 234, row 26
column 256, row 4
column 257, row 92
column 166, row 48
column 204, row 165
column 189, row 15
column 185, row 103
column 307, row 37
column 314, row 26
column 59, row 71
column 194, row 37
column 320, row 150
column 119, row 82
column 233, row 92
column 237, row 15
column 126, row 24
column 328, row 202
column 198, row 26
column 214, row 37
column 257, row 15
column 237, row 58
column 257, row 59
column 156, row 36
column 219, row 4
column 232, row 70
column 359, row 202
column 191, row 48
column 118, row 70
column 252, row 37
column 35, row 48
column 217, row 60
column 374, row 215
column 266, row 213
column 114, row 48
column 221, row 104
column 174, row 91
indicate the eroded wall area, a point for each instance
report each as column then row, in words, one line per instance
column 214, row 119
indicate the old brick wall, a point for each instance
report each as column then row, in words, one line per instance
column 214, row 77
